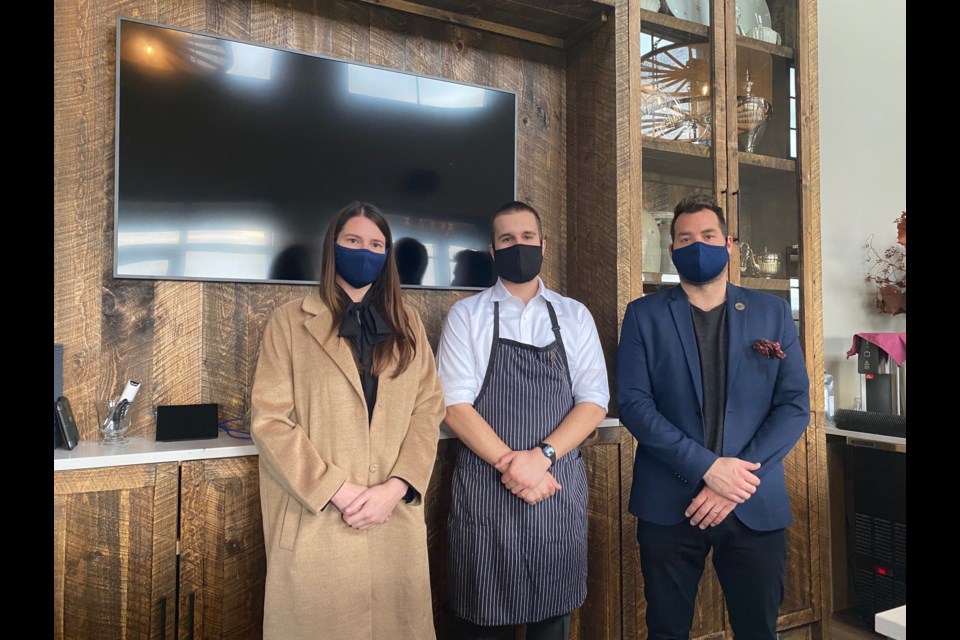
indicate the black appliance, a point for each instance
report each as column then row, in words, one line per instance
column 877, row 528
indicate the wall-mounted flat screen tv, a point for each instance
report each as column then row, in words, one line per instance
column 232, row 158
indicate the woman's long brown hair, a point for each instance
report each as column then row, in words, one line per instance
column 385, row 294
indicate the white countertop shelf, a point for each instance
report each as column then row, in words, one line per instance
column 892, row 623
column 863, row 435
column 140, row 450
column 89, row 454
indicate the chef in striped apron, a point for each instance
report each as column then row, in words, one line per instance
column 525, row 383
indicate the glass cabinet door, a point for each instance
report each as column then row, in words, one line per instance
column 678, row 60
column 764, row 207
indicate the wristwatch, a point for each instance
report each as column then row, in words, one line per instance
column 549, row 451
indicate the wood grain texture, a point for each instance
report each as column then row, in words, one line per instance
column 114, row 551
column 177, row 343
column 801, row 633
column 797, row 585
column 599, row 617
column 812, row 299
column 197, row 342
column 593, row 225
column 629, row 159
column 222, row 558
column 545, row 22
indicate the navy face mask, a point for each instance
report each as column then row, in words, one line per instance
column 359, row 267
column 518, row 263
column 699, row 262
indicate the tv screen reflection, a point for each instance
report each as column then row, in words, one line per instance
column 232, row 158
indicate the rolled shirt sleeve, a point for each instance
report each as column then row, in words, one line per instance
column 456, row 359
column 588, row 367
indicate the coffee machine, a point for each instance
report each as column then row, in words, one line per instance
column 882, row 382
column 883, row 385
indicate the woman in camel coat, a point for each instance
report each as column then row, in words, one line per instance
column 346, row 408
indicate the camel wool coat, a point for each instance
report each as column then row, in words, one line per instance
column 326, row 580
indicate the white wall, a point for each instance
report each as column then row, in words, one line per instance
column 862, row 47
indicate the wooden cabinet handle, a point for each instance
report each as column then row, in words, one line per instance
column 736, row 196
column 193, row 602
column 163, row 617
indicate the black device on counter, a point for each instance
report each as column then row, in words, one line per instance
column 57, row 389
column 69, row 436
column 186, row 422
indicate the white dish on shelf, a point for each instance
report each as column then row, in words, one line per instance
column 693, row 10
column 650, row 5
column 752, row 13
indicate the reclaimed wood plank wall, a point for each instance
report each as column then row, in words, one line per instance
column 193, row 342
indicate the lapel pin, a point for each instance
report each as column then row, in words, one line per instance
column 739, row 306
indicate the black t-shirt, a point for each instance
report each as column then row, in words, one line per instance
column 712, row 342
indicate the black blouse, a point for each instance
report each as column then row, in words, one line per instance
column 365, row 328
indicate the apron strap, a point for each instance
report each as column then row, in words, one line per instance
column 556, row 333
column 493, row 351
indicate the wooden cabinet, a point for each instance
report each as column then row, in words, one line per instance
column 728, row 105
column 115, row 552
column 117, row 572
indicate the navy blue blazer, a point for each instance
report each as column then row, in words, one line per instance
column 660, row 395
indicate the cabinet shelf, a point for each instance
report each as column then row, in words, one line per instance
column 768, row 47
column 673, row 28
column 769, row 284
column 654, row 278
column 768, row 162
column 666, row 157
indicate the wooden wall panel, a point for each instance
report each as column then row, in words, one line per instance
column 592, row 223
column 191, row 342
column 797, row 578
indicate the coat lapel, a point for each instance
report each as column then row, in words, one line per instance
column 680, row 309
column 737, row 311
column 322, row 327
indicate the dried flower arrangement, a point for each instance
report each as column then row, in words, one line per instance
column 888, row 271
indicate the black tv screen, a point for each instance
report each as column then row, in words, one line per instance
column 232, row 158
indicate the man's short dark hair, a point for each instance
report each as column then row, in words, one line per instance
column 515, row 207
column 695, row 203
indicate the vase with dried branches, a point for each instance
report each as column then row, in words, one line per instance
column 888, row 270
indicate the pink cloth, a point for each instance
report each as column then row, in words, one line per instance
column 894, row 344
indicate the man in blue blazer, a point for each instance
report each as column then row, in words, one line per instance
column 712, row 383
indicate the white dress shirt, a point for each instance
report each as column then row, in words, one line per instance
column 467, row 337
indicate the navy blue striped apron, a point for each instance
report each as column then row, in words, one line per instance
column 511, row 562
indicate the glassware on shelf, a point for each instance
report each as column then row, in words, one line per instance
column 769, row 263
column 113, row 417
column 664, row 218
column 748, row 262
column 650, row 245
column 753, row 113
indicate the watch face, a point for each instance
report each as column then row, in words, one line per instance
column 549, row 451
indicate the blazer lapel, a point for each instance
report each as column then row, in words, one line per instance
column 737, row 311
column 321, row 328
column 680, row 309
